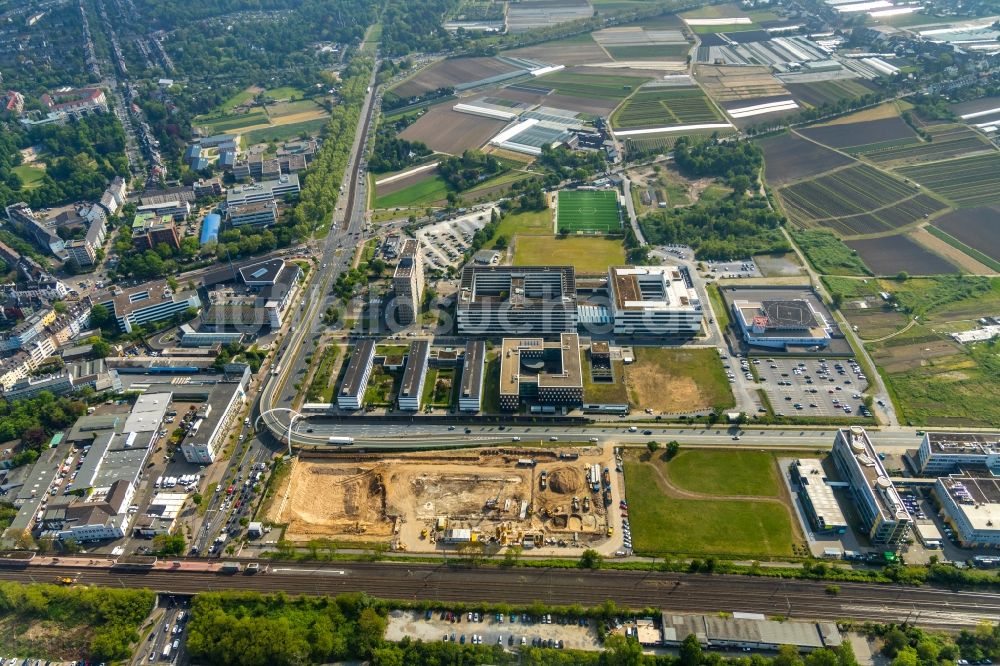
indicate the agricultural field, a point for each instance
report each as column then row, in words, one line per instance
column 649, row 52
column 933, row 380
column 577, row 50
column 857, row 200
column 889, row 255
column 862, row 134
column 450, row 73
column 948, row 141
column 611, row 88
column 966, row 182
column 528, row 14
column 668, row 520
column 284, row 132
column 678, row 381
column 976, row 228
column 818, row 93
column 429, row 190
column 663, row 106
column 588, row 212
column 451, row 132
column 827, row 253
column 587, row 254
column 789, row 157
column 731, row 83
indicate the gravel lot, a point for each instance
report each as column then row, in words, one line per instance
column 415, row 625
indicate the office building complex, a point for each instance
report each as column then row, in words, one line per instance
column 971, row 504
column 359, row 369
column 517, row 300
column 412, row 387
column 780, row 324
column 653, row 300
column 546, row 373
column 268, row 190
column 942, row 453
column 883, row 514
column 408, row 282
column 473, row 372
column 816, row 496
column 254, row 214
column 150, row 302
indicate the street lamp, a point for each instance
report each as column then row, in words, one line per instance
column 293, row 417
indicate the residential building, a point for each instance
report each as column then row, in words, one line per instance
column 970, row 502
column 15, row 367
column 23, row 218
column 412, row 388
column 359, row 369
column 255, row 214
column 57, row 384
column 782, row 323
column 114, row 196
column 816, row 496
column 151, row 302
column 12, row 102
column 536, row 371
column 31, row 328
column 653, row 300
column 76, row 102
column 512, row 300
column 150, row 229
column 208, row 188
column 70, row 323
column 408, row 283
column 942, row 453
column 884, row 517
column 473, row 372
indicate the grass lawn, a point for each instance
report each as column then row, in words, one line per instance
column 663, row 525
column 285, row 132
column 423, row 192
column 587, row 255
column 383, row 387
column 438, row 387
column 241, row 97
column 231, row 124
column 284, row 92
column 675, row 380
column 31, row 177
column 732, row 472
column 603, row 392
column 531, row 223
column 718, row 306
column 491, row 384
column 828, row 254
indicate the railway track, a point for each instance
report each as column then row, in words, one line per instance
column 927, row 606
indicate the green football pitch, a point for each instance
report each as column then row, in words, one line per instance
column 588, row 212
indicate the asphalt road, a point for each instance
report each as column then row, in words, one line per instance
column 677, row 592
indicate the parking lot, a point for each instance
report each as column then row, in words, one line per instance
column 812, row 387
column 512, row 630
column 734, row 269
column 446, row 242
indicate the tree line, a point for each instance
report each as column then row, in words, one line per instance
column 34, row 421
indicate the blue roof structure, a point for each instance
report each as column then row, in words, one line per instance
column 210, row 228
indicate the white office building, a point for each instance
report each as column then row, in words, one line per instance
column 653, row 300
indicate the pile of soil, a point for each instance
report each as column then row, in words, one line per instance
column 566, row 481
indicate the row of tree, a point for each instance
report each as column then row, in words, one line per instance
column 34, row 420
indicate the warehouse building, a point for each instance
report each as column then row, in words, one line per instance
column 971, row 504
column 653, row 300
column 816, row 496
column 359, row 369
column 412, row 388
column 536, row 371
column 517, row 300
column 942, row 453
column 883, row 514
column 473, row 372
column 749, row 630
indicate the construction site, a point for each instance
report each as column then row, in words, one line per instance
column 491, row 498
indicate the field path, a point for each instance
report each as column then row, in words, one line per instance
column 891, row 335
column 782, row 500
